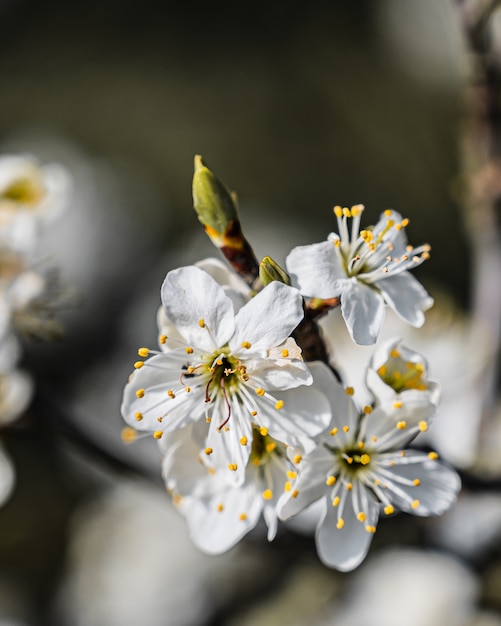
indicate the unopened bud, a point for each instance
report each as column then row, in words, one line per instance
column 269, row 271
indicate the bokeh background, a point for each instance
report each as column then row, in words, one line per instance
column 297, row 109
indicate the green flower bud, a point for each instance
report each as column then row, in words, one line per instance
column 269, row 271
column 215, row 205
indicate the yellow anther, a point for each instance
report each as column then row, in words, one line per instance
column 337, row 243
column 208, row 451
column 232, row 467
column 349, row 486
column 188, row 350
column 263, row 431
column 330, row 481
column 338, row 211
column 340, row 523
column 279, row 405
column 187, row 389
column 295, row 493
column 244, row 440
column 211, row 471
column 143, row 352
column 336, row 501
column 246, row 345
column 297, row 459
column 226, row 429
column 190, row 369
column 138, row 416
column 365, row 459
column 361, row 445
column 158, row 434
column 176, row 499
column 402, row 425
column 405, row 222
column 219, row 362
column 171, row 394
column 398, row 404
column 129, row 435
column 268, row 494
column 370, row 529
column 348, row 459
column 361, row 517
column 260, row 391
column 388, row 213
column 271, row 446
column 416, row 482
column 201, row 323
column 389, row 510
column 287, row 486
column 349, row 391
column 160, row 419
column 395, row 354
column 415, row 504
column 346, row 429
column 253, row 413
column 162, row 339
column 374, row 438
column 242, row 517
column 333, row 432
column 367, row 409
column 140, row 393
column 285, row 353
column 403, row 452
column 377, row 482
column 423, row 426
column 356, row 209
column 220, row 507
column 382, row 371
column 292, row 475
column 208, row 419
column 346, row 212
column 433, row 456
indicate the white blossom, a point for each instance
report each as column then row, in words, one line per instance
column 365, row 269
column 362, row 467
column 231, row 370
column 217, row 512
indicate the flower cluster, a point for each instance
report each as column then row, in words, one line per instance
column 30, row 196
column 249, row 429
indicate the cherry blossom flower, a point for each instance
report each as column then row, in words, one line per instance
column 231, row 370
column 366, row 269
column 217, row 512
column 362, row 467
column 396, row 372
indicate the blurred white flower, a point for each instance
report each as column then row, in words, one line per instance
column 232, row 371
column 365, row 270
column 407, row 586
column 29, row 193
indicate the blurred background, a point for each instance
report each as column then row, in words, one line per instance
column 297, row 110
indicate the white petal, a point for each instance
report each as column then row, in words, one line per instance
column 234, row 287
column 406, row 296
column 315, row 270
column 160, row 374
column 226, row 442
column 436, row 492
column 305, row 413
column 345, row 414
column 310, row 485
column 363, row 311
column 345, row 548
column 216, row 523
column 280, row 373
column 269, row 318
column 17, row 390
column 189, row 295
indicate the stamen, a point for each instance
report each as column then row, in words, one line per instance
column 158, row 434
column 244, row 441
column 246, row 345
column 140, row 393
column 297, row 459
column 268, row 494
column 143, row 352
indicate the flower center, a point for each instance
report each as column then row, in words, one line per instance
column 401, row 375
column 23, row 191
column 354, row 460
column 224, row 373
